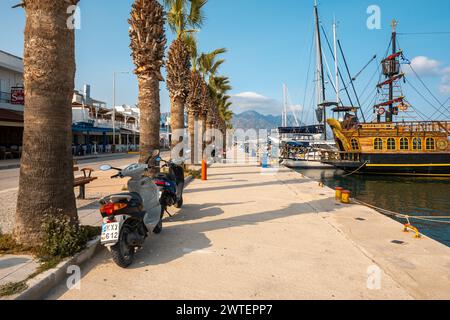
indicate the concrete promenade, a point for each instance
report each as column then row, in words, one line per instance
column 248, row 234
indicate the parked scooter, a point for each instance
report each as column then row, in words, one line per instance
column 170, row 185
column 129, row 217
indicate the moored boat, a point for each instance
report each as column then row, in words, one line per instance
column 386, row 146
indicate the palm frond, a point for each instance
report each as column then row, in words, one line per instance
column 196, row 17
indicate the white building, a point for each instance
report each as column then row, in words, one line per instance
column 11, row 105
column 11, row 77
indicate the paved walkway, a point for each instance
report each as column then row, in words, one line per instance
column 248, row 234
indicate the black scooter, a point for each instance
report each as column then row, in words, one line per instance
column 170, row 185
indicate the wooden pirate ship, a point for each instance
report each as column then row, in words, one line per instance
column 386, row 146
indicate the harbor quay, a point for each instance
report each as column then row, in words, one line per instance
column 253, row 233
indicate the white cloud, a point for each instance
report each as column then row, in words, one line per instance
column 247, row 101
column 425, row 66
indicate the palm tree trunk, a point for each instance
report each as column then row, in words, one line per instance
column 177, row 123
column 203, row 135
column 46, row 173
column 225, row 142
column 193, row 140
column 149, row 103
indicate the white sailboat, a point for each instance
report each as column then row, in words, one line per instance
column 302, row 146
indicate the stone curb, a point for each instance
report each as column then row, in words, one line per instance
column 39, row 286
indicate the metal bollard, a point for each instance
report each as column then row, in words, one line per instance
column 345, row 197
column 204, row 170
column 339, row 193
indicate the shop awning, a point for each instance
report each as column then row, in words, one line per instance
column 11, row 116
column 89, row 127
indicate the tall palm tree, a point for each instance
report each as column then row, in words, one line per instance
column 46, row 173
column 209, row 66
column 148, row 43
column 182, row 14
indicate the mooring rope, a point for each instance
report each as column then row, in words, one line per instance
column 348, row 175
column 404, row 216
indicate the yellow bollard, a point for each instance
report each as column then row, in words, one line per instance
column 339, row 193
column 345, row 197
column 414, row 229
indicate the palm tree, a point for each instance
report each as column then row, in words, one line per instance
column 219, row 86
column 182, row 14
column 148, row 43
column 209, row 66
column 46, row 173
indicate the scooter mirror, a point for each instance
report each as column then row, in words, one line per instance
column 105, row 167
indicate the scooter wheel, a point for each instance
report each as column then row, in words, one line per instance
column 179, row 204
column 122, row 253
column 159, row 227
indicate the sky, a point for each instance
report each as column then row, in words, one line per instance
column 269, row 43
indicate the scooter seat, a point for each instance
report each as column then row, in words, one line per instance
column 165, row 176
column 130, row 197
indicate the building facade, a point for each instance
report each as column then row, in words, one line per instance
column 11, row 105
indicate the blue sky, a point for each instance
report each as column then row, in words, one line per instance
column 268, row 43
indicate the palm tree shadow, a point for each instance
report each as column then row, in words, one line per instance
column 179, row 240
column 244, row 186
column 199, row 211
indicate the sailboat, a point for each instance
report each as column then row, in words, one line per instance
column 303, row 146
column 388, row 146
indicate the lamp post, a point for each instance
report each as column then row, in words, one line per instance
column 114, row 106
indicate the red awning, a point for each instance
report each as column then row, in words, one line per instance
column 12, row 116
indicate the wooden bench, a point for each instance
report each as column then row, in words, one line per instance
column 84, row 180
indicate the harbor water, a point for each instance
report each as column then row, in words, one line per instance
column 414, row 196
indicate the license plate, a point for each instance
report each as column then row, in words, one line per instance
column 110, row 232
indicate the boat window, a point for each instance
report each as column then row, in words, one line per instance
column 355, row 144
column 404, row 144
column 391, row 145
column 431, row 144
column 417, row 144
column 378, row 144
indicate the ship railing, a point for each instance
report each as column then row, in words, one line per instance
column 331, row 155
column 427, row 126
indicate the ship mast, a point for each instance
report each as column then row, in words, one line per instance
column 391, row 70
column 336, row 64
column 391, row 84
column 320, row 73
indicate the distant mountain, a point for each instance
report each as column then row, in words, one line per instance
column 257, row 121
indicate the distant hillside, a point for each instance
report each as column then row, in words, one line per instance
column 257, row 121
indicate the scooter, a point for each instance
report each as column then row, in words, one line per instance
column 170, row 185
column 129, row 217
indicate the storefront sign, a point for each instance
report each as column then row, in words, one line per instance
column 17, row 95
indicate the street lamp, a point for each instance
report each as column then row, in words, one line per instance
column 114, row 105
